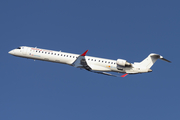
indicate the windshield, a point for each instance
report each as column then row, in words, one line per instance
column 18, row 48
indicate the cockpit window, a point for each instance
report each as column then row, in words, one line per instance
column 18, row 48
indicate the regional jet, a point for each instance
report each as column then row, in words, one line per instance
column 89, row 63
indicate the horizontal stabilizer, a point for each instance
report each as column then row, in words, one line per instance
column 161, row 57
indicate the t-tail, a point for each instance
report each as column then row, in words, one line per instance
column 151, row 59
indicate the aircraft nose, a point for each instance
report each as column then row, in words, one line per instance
column 11, row 52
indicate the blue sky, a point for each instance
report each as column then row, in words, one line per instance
column 34, row 90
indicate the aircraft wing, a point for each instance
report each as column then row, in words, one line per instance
column 105, row 73
column 80, row 62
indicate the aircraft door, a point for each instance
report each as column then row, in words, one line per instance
column 23, row 50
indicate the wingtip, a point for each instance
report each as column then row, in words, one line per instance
column 84, row 54
column 124, row 75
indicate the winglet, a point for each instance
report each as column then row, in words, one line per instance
column 84, row 54
column 124, row 75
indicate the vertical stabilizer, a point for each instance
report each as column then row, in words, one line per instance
column 150, row 60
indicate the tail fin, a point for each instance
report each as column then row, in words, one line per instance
column 151, row 59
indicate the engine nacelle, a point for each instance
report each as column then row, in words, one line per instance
column 122, row 62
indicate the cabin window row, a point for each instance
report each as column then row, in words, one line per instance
column 102, row 61
column 74, row 57
column 56, row 54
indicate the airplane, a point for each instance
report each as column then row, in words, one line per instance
column 89, row 63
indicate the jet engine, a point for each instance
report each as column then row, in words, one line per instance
column 122, row 62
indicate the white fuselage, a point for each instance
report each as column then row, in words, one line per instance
column 97, row 64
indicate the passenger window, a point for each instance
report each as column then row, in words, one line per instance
column 67, row 55
column 91, row 59
column 99, row 60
